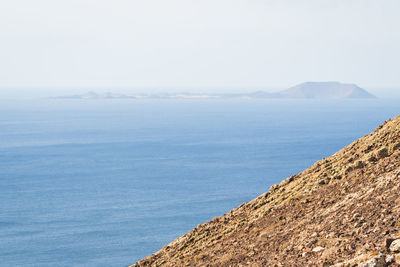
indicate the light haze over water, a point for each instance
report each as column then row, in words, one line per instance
column 108, row 182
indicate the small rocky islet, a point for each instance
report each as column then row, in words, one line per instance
column 307, row 90
column 342, row 211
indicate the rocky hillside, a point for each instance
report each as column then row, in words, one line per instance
column 342, row 211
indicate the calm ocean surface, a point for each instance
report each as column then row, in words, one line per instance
column 108, row 182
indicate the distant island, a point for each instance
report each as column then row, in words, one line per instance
column 307, row 90
column 325, row 90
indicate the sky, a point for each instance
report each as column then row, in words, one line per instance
column 68, row 45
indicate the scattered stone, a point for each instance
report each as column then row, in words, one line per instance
column 389, row 259
column 376, row 262
column 314, row 234
column 388, row 242
column 370, row 263
column 318, row 249
column 395, row 246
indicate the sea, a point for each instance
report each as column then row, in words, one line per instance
column 109, row 182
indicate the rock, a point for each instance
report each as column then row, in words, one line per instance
column 329, row 252
column 370, row 263
column 377, row 262
column 389, row 259
column 314, row 234
column 395, row 246
column 317, row 249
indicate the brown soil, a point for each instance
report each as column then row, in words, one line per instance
column 343, row 210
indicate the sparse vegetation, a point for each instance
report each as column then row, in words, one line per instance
column 383, row 152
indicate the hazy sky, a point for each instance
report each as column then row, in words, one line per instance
column 202, row 43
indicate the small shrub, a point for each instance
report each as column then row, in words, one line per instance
column 383, row 152
column 396, row 146
column 349, row 169
column 359, row 165
column 372, row 159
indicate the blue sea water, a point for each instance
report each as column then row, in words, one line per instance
column 108, row 182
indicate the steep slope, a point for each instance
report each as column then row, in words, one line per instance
column 343, row 210
column 325, row 90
